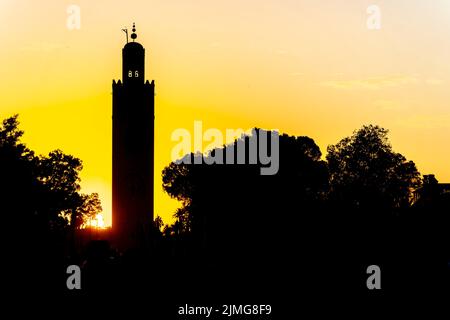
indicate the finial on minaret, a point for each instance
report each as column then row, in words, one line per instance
column 126, row 32
column 133, row 35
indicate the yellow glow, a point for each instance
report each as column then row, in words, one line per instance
column 303, row 67
column 97, row 222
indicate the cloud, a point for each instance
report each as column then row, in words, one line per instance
column 434, row 82
column 371, row 83
column 426, row 121
column 297, row 74
column 45, row 47
column 216, row 44
column 281, row 52
column 389, row 105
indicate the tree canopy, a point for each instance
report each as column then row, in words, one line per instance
column 231, row 206
column 40, row 192
column 361, row 174
column 366, row 173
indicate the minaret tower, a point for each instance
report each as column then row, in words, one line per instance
column 133, row 149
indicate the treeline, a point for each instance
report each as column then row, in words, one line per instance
column 363, row 203
column 41, row 206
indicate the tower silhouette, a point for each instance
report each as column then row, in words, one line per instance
column 133, row 149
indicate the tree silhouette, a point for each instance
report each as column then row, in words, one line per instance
column 365, row 173
column 232, row 208
column 40, row 191
column 40, row 206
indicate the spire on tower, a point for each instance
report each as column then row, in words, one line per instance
column 134, row 35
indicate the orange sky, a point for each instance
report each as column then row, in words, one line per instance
column 306, row 67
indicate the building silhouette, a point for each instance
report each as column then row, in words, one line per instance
column 133, row 149
column 431, row 191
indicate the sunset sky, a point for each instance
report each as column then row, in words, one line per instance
column 305, row 67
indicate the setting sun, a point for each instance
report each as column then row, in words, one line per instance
column 97, row 222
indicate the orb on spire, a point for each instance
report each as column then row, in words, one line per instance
column 133, row 35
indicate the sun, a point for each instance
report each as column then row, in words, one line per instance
column 97, row 222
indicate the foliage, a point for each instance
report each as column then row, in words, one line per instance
column 41, row 191
column 366, row 173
